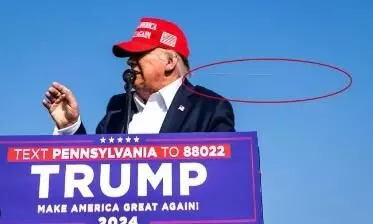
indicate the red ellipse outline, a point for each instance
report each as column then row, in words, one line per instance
column 274, row 101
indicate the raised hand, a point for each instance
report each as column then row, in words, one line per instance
column 61, row 105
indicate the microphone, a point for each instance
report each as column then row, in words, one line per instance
column 129, row 77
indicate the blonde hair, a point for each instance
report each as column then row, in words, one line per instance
column 182, row 67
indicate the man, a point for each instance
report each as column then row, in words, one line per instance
column 162, row 102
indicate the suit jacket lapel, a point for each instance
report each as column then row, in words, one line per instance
column 179, row 109
column 118, row 118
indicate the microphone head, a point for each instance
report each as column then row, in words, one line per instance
column 129, row 76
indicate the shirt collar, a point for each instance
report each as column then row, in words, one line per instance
column 167, row 93
column 139, row 102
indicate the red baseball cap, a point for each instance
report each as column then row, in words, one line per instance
column 152, row 33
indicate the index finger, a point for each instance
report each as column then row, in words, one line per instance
column 60, row 87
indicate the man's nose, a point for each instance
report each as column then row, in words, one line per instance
column 132, row 62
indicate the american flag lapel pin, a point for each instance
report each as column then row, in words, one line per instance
column 181, row 108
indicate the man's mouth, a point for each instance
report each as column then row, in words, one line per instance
column 136, row 72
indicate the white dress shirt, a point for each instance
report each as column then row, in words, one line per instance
column 150, row 116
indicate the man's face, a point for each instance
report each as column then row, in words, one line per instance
column 150, row 69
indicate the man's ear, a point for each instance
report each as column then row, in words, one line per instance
column 171, row 62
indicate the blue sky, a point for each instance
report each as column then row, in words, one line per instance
column 316, row 156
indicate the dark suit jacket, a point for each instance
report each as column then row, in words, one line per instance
column 201, row 114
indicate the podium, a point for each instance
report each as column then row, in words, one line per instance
column 130, row 179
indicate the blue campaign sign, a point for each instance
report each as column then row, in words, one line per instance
column 130, row 179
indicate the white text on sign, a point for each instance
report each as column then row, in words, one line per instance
column 69, row 153
column 145, row 175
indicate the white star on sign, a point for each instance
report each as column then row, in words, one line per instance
column 136, row 139
column 103, row 139
column 120, row 140
column 128, row 139
column 111, row 139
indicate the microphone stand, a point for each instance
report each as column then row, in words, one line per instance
column 129, row 78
